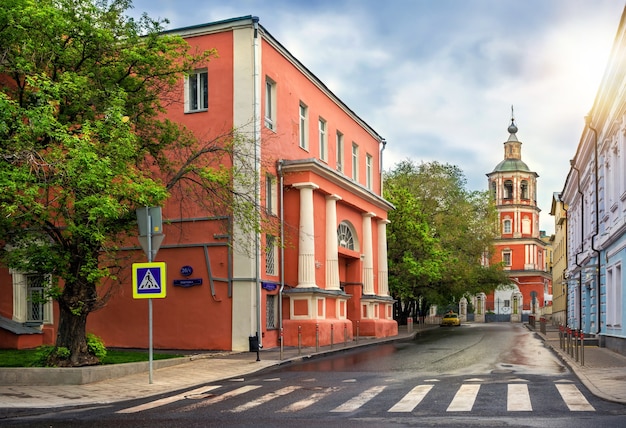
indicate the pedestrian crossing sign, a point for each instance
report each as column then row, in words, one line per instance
column 149, row 280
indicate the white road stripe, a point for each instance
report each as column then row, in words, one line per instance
column 167, row 400
column 359, row 400
column 518, row 398
column 303, row 404
column 265, row 398
column 464, row 399
column 412, row 399
column 574, row 399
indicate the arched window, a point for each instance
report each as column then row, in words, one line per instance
column 506, row 226
column 524, row 189
column 508, row 189
column 346, row 237
column 493, row 190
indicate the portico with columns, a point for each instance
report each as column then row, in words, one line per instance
column 341, row 251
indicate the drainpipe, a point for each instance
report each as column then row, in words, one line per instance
column 282, row 248
column 597, row 232
column 582, row 235
column 257, row 196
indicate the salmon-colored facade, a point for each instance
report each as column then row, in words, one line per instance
column 513, row 187
column 321, row 275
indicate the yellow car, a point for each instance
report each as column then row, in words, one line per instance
column 451, row 319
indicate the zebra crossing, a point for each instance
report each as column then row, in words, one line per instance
column 297, row 398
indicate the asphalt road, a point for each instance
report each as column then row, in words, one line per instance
column 491, row 375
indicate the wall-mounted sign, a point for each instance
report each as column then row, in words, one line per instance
column 186, row 270
column 269, row 286
column 189, row 282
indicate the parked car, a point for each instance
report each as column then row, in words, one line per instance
column 451, row 319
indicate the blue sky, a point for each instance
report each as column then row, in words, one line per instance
column 437, row 78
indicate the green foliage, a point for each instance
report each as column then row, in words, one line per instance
column 438, row 236
column 96, row 346
column 84, row 142
column 45, row 355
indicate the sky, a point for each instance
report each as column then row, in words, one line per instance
column 437, row 78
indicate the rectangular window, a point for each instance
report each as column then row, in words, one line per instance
column 614, row 296
column 506, row 258
column 270, row 104
column 339, row 151
column 197, row 91
column 271, row 195
column 270, row 311
column 355, row 162
column 322, row 138
column 35, row 295
column 271, row 254
column 368, row 171
column 304, row 126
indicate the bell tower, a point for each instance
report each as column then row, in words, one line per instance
column 519, row 247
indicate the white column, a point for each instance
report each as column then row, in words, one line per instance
column 368, row 262
column 383, row 285
column 332, row 246
column 306, row 249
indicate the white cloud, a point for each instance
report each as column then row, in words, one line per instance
column 437, row 78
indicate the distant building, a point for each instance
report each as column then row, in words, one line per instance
column 559, row 266
column 595, row 196
column 321, row 277
column 520, row 247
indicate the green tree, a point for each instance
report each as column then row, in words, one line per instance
column 83, row 143
column 438, row 237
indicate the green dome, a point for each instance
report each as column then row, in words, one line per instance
column 511, row 165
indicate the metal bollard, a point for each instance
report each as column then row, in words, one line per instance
column 357, row 331
column 582, row 348
column 345, row 334
column 317, row 337
column 409, row 325
column 576, row 344
column 332, row 335
column 282, row 338
column 299, row 340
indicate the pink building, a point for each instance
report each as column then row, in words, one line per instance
column 318, row 171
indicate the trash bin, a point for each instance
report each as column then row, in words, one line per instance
column 254, row 343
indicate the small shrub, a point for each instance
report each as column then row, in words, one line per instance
column 45, row 354
column 96, row 346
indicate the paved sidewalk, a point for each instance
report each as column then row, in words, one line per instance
column 604, row 373
column 601, row 370
column 204, row 368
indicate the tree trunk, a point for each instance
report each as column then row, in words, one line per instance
column 72, row 333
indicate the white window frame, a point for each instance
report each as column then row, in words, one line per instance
column 270, row 104
column 20, row 300
column 271, row 194
column 355, row 161
column 368, row 170
column 303, row 135
column 339, row 151
column 507, row 258
column 271, row 255
column 614, row 296
column 195, row 99
column 323, row 139
column 507, row 226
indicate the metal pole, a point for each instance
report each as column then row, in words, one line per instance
column 299, row 339
column 332, row 335
column 317, row 337
column 281, row 343
column 149, row 223
column 582, row 348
